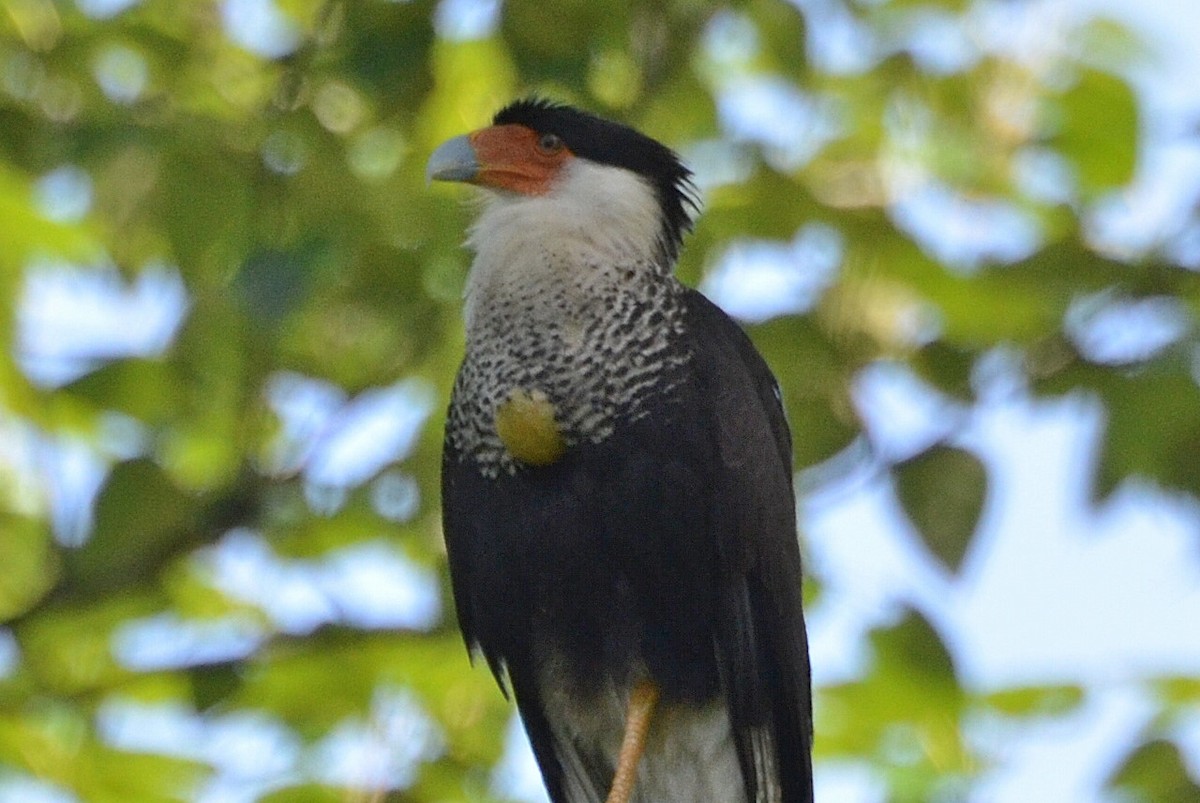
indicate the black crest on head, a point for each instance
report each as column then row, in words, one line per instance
column 606, row 142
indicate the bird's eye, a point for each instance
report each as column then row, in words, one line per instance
column 550, row 143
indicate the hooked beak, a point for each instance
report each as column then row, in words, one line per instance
column 454, row 160
column 506, row 158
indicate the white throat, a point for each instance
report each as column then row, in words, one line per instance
column 595, row 222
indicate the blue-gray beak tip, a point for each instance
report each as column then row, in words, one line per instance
column 454, row 160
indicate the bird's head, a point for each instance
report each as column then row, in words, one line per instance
column 573, row 164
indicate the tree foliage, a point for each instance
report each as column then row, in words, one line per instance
column 267, row 167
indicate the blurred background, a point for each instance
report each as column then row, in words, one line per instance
column 965, row 234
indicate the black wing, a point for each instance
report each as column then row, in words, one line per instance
column 710, row 475
column 761, row 640
column 558, row 555
column 479, row 530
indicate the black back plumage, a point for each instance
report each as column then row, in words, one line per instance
column 675, row 534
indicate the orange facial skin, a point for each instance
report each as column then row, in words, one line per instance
column 518, row 159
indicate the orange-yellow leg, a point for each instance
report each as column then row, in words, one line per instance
column 642, row 699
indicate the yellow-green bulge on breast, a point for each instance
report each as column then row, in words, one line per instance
column 527, row 427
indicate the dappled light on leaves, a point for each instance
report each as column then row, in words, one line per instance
column 943, row 490
column 232, row 320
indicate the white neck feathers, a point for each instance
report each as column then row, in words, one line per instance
column 595, row 220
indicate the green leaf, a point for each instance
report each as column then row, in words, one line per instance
column 680, row 111
column 272, row 282
column 952, row 5
column 782, row 31
column 914, row 648
column 1023, row 302
column 1179, row 691
column 1165, row 452
column 1152, row 420
column 207, row 209
column 312, row 793
column 386, row 41
column 1154, row 772
column 212, row 684
column 68, row 649
column 943, row 490
column 1099, row 130
column 1036, row 701
column 904, row 715
column 769, row 205
column 29, row 565
column 947, row 367
column 557, row 47
column 815, row 386
column 106, row 775
column 141, row 388
column 141, row 518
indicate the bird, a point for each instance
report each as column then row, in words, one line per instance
column 617, row 481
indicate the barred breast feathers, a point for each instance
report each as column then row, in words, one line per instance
column 568, row 300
